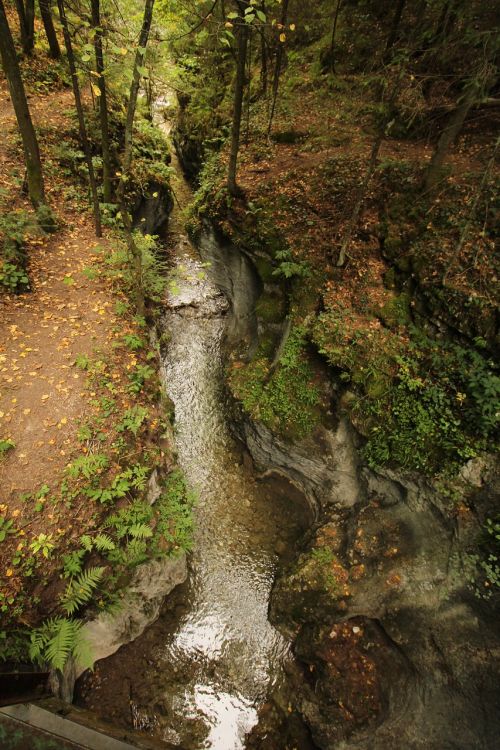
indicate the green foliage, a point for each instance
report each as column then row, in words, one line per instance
column 80, row 589
column 12, row 277
column 289, row 268
column 58, row 639
column 153, row 269
column 288, row 400
column 484, row 565
column 6, row 528
column 175, row 513
column 133, row 419
column 88, row 466
column 44, row 544
column 6, row 445
column 132, row 478
column 423, row 404
column 82, row 361
column 139, row 376
column 133, row 341
column 15, row 227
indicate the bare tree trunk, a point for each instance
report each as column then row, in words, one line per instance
column 238, row 98
column 249, row 92
column 372, row 164
column 134, row 251
column 353, row 221
column 30, row 144
column 263, row 54
column 30, row 26
column 465, row 232
column 81, row 119
column 330, row 61
column 448, row 136
column 50, row 32
column 103, row 103
column 396, row 22
column 23, row 27
column 277, row 70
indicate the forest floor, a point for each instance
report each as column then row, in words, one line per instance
column 68, row 350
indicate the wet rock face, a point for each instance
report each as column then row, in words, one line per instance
column 326, row 465
column 151, row 214
column 397, row 651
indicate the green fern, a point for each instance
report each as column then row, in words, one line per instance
column 140, row 531
column 79, row 590
column 86, row 542
column 103, row 543
column 58, row 639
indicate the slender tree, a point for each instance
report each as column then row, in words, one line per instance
column 329, row 61
column 239, row 88
column 30, row 25
column 20, row 104
column 133, row 250
column 81, row 119
column 50, row 32
column 263, row 52
column 449, row 135
column 393, row 34
column 23, row 25
column 279, row 63
column 103, row 102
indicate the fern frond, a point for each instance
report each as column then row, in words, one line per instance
column 61, row 644
column 79, row 590
column 103, row 543
column 86, row 542
column 82, row 652
column 140, row 531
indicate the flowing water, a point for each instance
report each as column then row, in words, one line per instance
column 214, row 657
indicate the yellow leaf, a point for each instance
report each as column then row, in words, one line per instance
column 292, row 27
column 95, row 89
column 9, row 572
column 282, row 37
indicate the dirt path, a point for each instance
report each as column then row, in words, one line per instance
column 68, row 313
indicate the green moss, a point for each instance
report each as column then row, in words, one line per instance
column 270, row 308
column 396, row 312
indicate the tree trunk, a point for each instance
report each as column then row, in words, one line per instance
column 372, row 165
column 50, row 32
column 277, row 70
column 238, row 99
column 30, row 26
column 134, row 251
column 330, row 60
column 20, row 104
column 396, row 22
column 448, row 136
column 263, row 54
column 103, row 103
column 23, row 28
column 81, row 119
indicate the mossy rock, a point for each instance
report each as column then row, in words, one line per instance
column 270, row 308
column 396, row 312
column 264, row 267
column 289, row 136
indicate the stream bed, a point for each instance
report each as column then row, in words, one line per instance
column 198, row 676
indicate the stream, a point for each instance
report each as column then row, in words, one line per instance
column 212, row 658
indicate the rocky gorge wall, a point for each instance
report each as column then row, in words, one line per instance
column 395, row 649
